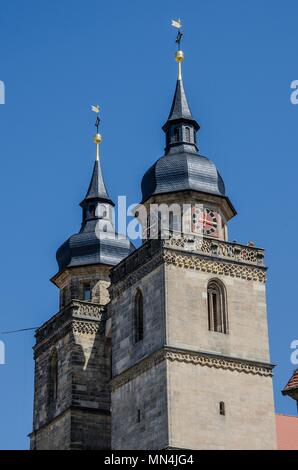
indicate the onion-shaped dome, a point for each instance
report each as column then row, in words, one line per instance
column 97, row 242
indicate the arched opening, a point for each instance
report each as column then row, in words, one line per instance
column 138, row 327
column 217, row 310
column 92, row 211
column 176, row 134
column 187, row 134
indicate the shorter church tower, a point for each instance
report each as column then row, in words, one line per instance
column 72, row 352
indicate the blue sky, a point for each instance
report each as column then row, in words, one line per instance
column 59, row 57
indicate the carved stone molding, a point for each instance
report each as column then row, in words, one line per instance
column 77, row 317
column 215, row 267
column 189, row 261
column 192, row 357
column 85, row 328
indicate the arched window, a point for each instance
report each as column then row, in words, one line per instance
column 53, row 377
column 217, row 310
column 176, row 134
column 87, row 292
column 138, row 326
column 92, row 211
column 187, row 134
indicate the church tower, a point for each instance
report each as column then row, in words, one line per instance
column 72, row 351
column 190, row 354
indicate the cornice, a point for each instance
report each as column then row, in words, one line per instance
column 192, row 357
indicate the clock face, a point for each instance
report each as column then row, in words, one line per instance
column 205, row 221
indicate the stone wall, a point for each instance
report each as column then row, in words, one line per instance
column 79, row 418
column 194, row 393
column 125, row 352
column 187, row 314
column 140, row 412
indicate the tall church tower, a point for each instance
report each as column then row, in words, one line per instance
column 190, row 355
column 72, row 351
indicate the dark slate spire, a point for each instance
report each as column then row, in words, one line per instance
column 180, row 108
column 97, row 189
column 97, row 241
column 180, row 127
column 181, row 168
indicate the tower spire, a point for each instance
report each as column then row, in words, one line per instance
column 180, row 127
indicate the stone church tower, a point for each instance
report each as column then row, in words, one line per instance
column 72, row 352
column 190, row 353
column 166, row 346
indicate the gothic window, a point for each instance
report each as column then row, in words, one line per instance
column 87, row 293
column 176, row 134
column 217, row 311
column 53, row 377
column 138, row 326
column 187, row 134
column 92, row 211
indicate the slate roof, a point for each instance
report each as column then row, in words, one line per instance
column 85, row 247
column 182, row 168
column 182, row 171
column 97, row 188
column 180, row 108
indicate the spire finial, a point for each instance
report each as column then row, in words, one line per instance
column 97, row 138
column 179, row 56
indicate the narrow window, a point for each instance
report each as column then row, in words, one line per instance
column 176, row 134
column 53, row 377
column 63, row 297
column 138, row 416
column 222, row 408
column 138, row 317
column 87, row 293
column 217, row 311
column 187, row 134
column 92, row 211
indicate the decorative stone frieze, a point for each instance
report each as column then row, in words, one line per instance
column 77, row 316
column 192, row 357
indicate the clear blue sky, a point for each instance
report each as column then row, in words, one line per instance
column 59, row 57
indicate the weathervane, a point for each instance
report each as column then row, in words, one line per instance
column 177, row 24
column 179, row 56
column 97, row 138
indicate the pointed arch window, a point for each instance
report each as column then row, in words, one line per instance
column 217, row 310
column 92, row 211
column 53, row 377
column 176, row 134
column 187, row 134
column 138, row 324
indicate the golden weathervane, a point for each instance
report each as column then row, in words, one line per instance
column 179, row 56
column 97, row 138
